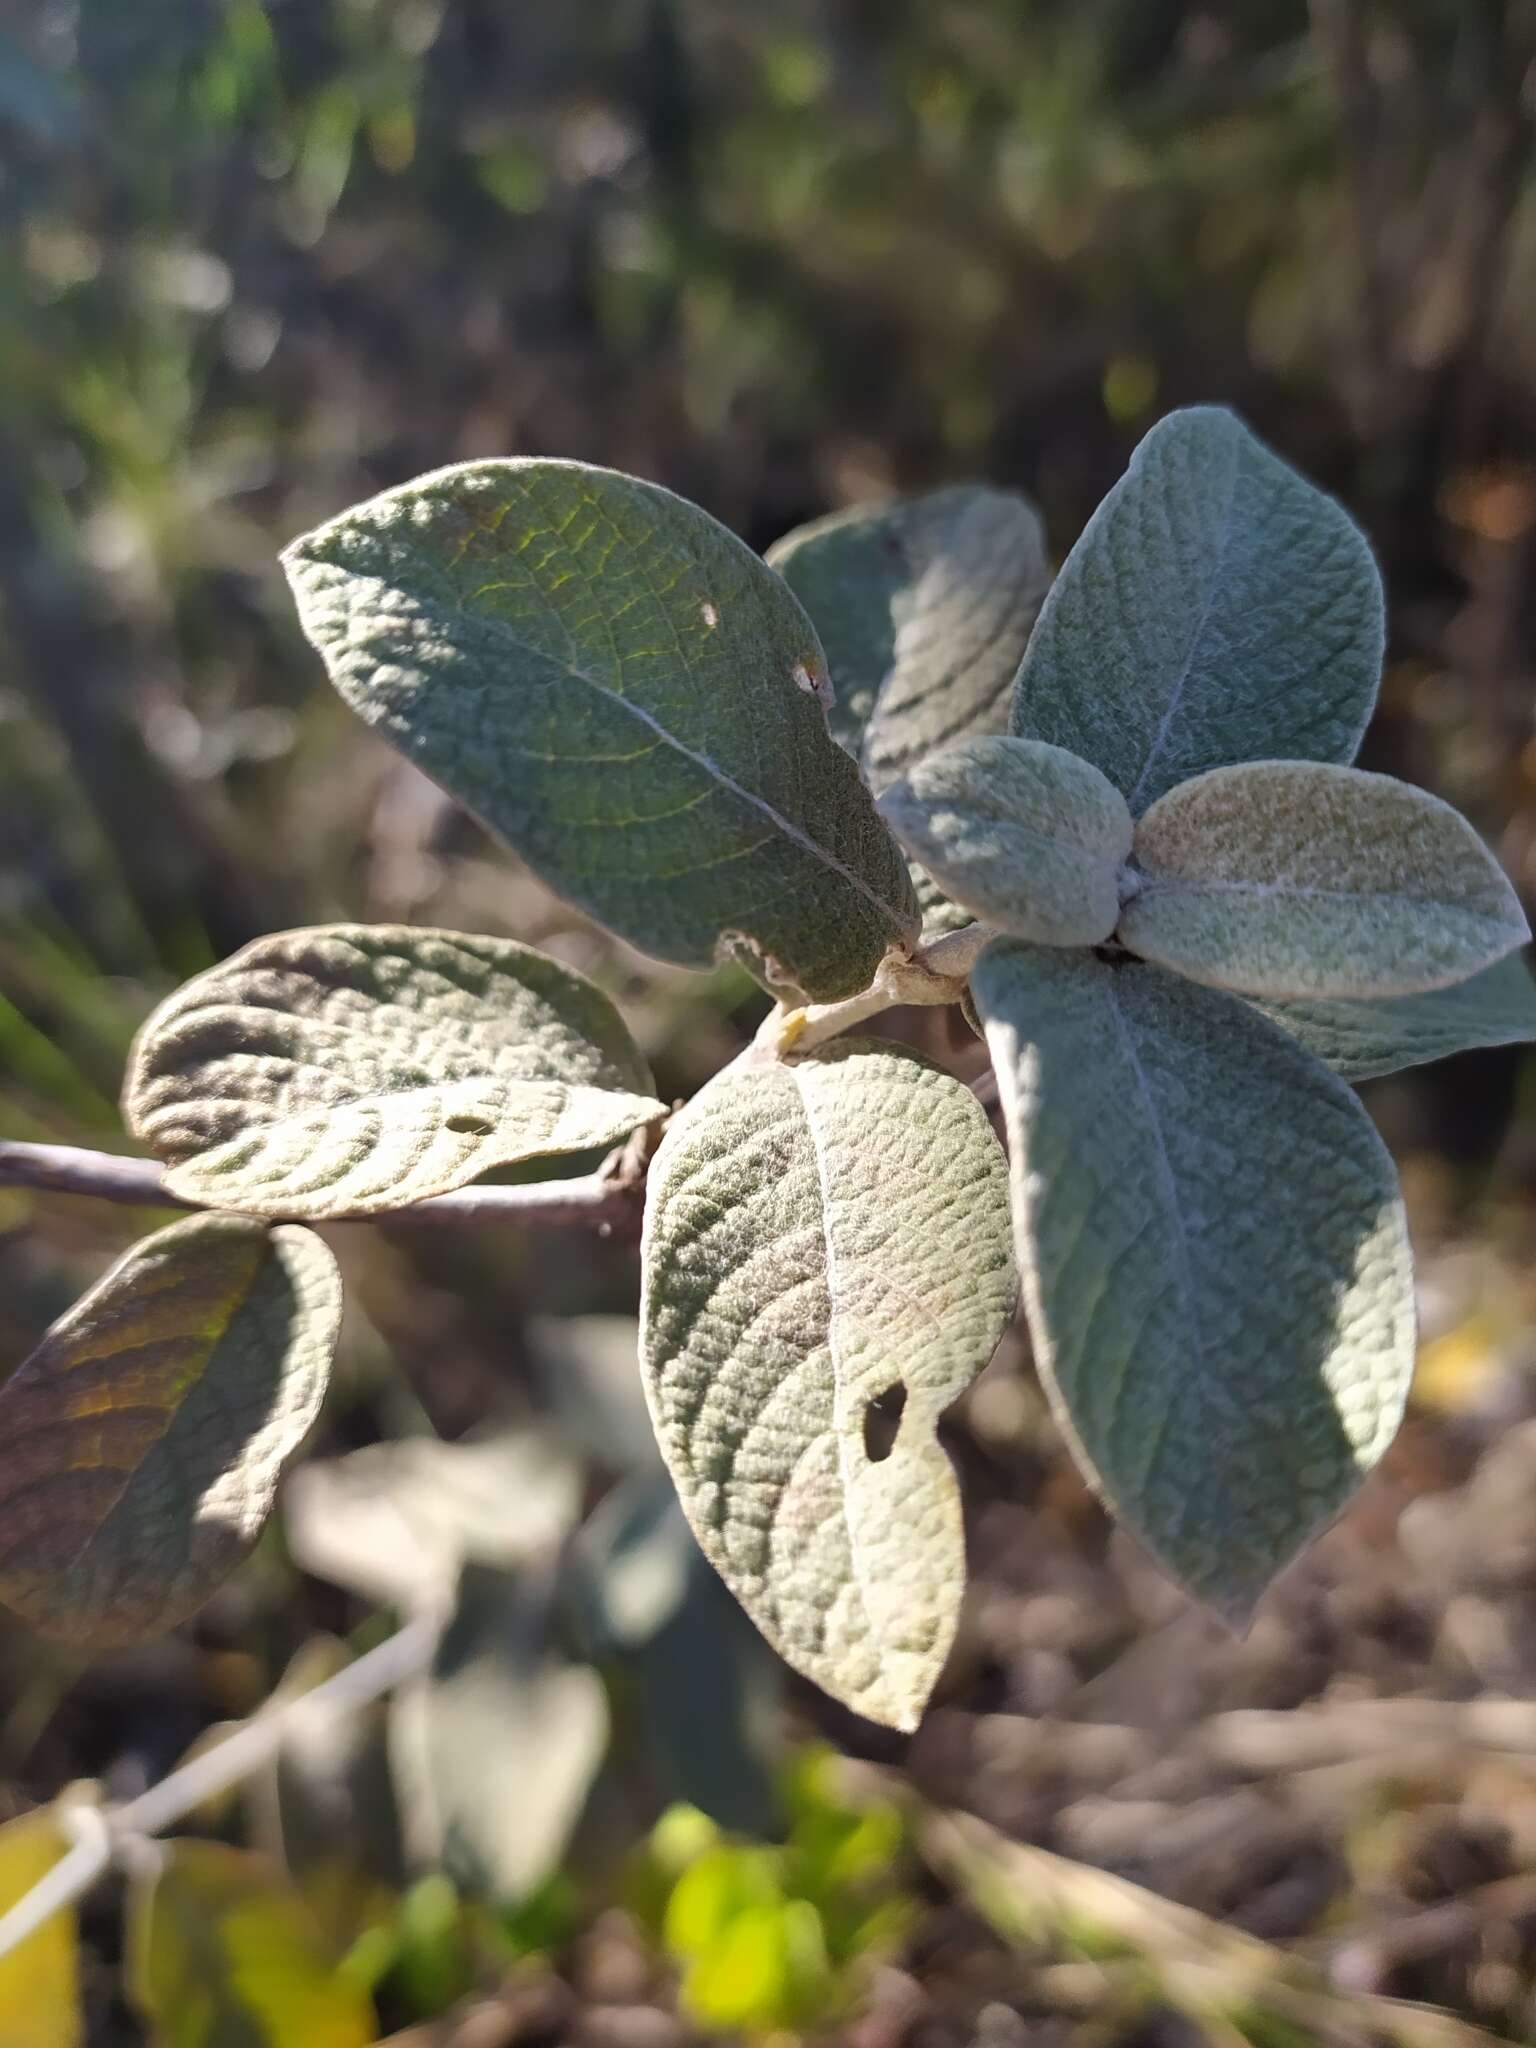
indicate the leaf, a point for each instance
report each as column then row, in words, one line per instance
column 586, row 1377
column 322, row 1804
column 146, row 1434
column 826, row 1267
column 1217, row 608
column 497, row 1749
column 396, row 1521
column 349, row 1068
column 1362, row 1040
column 704, row 1682
column 40, row 1977
column 1298, row 879
column 222, row 1951
column 924, row 609
column 629, row 696
column 1216, row 1263
column 1024, row 835
column 938, row 913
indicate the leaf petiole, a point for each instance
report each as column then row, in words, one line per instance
column 935, row 974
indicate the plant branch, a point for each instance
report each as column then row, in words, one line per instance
column 100, row 1832
column 936, row 973
column 607, row 1201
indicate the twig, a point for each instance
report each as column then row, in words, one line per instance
column 100, row 1832
column 935, row 974
column 605, row 1201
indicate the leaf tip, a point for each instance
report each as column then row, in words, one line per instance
column 895, row 1703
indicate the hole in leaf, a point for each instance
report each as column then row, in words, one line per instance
column 882, row 1419
column 471, row 1126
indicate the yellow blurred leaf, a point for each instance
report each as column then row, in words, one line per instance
column 39, row 1979
column 1454, row 1371
column 222, row 1950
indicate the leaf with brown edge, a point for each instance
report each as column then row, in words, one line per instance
column 348, row 1068
column 146, row 1434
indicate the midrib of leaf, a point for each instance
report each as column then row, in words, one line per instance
column 503, row 629
column 1164, row 724
column 841, row 1437
column 379, row 1102
column 1185, row 1274
column 166, row 1414
column 1047, row 842
column 1161, row 885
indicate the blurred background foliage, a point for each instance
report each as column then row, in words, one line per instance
column 259, row 258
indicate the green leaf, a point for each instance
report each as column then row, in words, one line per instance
column 826, row 1267
column 40, row 1977
column 924, row 609
column 146, row 1434
column 939, row 914
column 497, row 1748
column 703, row 1681
column 1362, row 1040
column 1217, row 608
column 626, row 693
column 222, row 1951
column 1024, row 835
column 322, row 1805
column 1296, row 879
column 396, row 1521
column 1216, row 1262
column 348, row 1068
column 586, row 1377
column 766, row 1972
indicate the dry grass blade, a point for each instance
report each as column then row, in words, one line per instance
column 1218, row 1975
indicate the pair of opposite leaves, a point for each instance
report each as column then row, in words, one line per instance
column 642, row 708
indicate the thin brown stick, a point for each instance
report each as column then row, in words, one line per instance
column 606, row 1201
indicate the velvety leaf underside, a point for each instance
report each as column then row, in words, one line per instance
column 1216, row 1264
column 924, row 609
column 1022, row 835
column 1303, row 879
column 824, row 1240
column 1362, row 1040
column 1217, row 608
column 347, row 1068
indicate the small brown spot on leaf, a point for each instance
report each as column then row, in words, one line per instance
column 816, row 683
